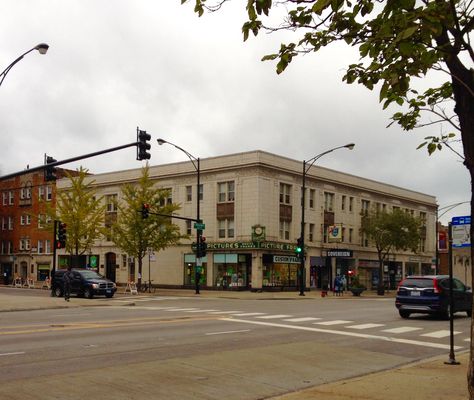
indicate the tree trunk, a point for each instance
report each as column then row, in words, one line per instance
column 381, row 284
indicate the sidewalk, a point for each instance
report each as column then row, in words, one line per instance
column 429, row 379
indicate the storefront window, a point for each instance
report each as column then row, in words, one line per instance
column 280, row 275
column 231, row 270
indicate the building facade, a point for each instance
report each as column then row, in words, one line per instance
column 250, row 204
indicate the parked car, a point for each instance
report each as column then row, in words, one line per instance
column 429, row 294
column 84, row 283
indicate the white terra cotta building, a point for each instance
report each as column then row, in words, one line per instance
column 251, row 208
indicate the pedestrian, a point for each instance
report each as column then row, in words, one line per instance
column 337, row 285
column 67, row 277
column 343, row 283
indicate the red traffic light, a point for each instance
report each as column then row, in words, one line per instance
column 351, row 272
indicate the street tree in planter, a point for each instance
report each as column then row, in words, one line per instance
column 134, row 234
column 388, row 231
column 398, row 40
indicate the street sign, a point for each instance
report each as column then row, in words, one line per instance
column 199, row 226
column 461, row 231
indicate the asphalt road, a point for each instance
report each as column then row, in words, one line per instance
column 179, row 348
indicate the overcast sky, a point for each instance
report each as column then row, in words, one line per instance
column 116, row 65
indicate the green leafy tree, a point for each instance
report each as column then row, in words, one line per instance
column 83, row 213
column 136, row 235
column 398, row 41
column 397, row 230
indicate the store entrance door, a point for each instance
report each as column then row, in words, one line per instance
column 110, row 266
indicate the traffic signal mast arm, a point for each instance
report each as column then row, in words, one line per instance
column 69, row 160
column 174, row 216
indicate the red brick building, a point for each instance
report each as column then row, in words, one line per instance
column 26, row 250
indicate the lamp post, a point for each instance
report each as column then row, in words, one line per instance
column 42, row 48
column 196, row 164
column 306, row 166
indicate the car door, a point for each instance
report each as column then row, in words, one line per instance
column 461, row 295
column 76, row 282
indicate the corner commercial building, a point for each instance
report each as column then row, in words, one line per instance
column 251, row 208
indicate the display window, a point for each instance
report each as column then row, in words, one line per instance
column 280, row 275
column 231, row 270
column 190, row 270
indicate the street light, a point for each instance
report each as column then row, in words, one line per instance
column 42, row 48
column 196, row 165
column 306, row 166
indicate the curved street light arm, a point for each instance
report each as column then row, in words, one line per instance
column 193, row 159
column 42, row 48
column 311, row 161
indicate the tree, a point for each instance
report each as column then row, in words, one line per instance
column 83, row 213
column 136, row 235
column 398, row 40
column 397, row 230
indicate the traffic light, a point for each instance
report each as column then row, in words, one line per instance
column 350, row 272
column 203, row 247
column 299, row 246
column 145, row 210
column 142, row 145
column 62, row 237
column 49, row 172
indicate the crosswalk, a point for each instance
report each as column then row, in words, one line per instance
column 318, row 323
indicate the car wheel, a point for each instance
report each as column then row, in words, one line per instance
column 58, row 292
column 88, row 293
column 447, row 312
column 404, row 313
column 109, row 295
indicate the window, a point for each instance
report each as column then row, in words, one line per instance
column 10, row 223
column 226, row 228
column 343, row 235
column 365, row 205
column 328, row 201
column 111, row 203
column 311, row 233
column 423, row 218
column 11, row 198
column 285, row 193
column 351, row 234
column 188, row 228
column 4, row 223
column 343, row 203
column 312, row 194
column 10, row 247
column 49, row 193
column 351, row 204
column 167, row 197
column 41, row 192
column 284, row 230
column 4, row 198
column 364, row 241
column 189, row 193
column 47, row 246
column 40, row 247
column 41, row 220
column 226, row 192
column 25, row 192
column 24, row 244
column 23, row 219
column 3, row 248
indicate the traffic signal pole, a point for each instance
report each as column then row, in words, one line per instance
column 55, row 230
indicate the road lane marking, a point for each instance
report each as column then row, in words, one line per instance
column 225, row 312
column 344, row 333
column 16, row 353
column 278, row 316
column 302, row 319
column 226, row 332
column 335, row 322
column 439, row 334
column 198, row 311
column 365, row 326
column 249, row 314
column 402, row 329
column 181, row 309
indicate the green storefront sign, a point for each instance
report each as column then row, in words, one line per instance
column 251, row 246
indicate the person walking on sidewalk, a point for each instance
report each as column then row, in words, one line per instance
column 67, row 277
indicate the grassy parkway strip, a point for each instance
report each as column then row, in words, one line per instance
column 353, row 334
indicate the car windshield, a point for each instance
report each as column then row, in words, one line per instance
column 419, row 283
column 90, row 275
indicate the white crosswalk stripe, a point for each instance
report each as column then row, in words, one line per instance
column 335, row 322
column 302, row 319
column 249, row 314
column 278, row 316
column 181, row 309
column 198, row 311
column 365, row 326
column 224, row 312
column 402, row 329
column 439, row 334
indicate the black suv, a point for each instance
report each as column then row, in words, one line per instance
column 84, row 282
column 429, row 294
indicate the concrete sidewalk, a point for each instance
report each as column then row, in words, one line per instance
column 430, row 379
